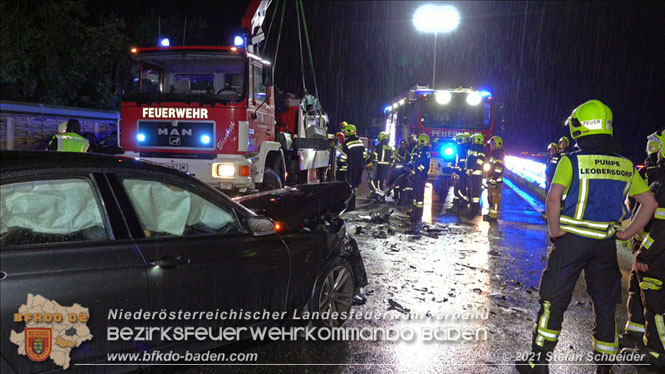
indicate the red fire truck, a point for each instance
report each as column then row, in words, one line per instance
column 212, row 111
column 441, row 114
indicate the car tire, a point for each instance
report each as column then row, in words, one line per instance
column 271, row 180
column 334, row 293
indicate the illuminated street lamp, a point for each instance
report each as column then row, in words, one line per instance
column 435, row 19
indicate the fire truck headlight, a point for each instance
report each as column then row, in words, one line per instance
column 473, row 98
column 226, row 170
column 238, row 41
column 165, row 42
column 205, row 139
column 443, row 97
column 140, row 137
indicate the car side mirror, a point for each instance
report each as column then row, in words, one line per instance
column 266, row 75
column 260, row 225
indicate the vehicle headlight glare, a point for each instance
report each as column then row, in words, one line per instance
column 443, row 97
column 226, row 170
column 473, row 98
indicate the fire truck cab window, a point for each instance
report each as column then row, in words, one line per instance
column 259, row 88
column 215, row 74
column 456, row 114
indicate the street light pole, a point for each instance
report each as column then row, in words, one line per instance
column 435, row 19
column 434, row 64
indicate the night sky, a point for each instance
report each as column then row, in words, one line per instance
column 541, row 59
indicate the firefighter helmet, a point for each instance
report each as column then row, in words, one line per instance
column 566, row 140
column 342, row 125
column 340, row 137
column 382, row 136
column 402, row 142
column 423, row 139
column 659, row 138
column 413, row 138
column 652, row 146
column 553, row 146
column 591, row 118
column 62, row 128
column 478, row 139
column 462, row 137
column 349, row 130
column 498, row 142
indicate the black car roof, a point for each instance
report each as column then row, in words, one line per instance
column 26, row 160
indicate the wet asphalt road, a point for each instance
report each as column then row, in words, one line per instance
column 472, row 277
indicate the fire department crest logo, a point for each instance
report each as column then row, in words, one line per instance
column 38, row 343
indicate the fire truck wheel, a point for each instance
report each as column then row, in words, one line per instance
column 271, row 180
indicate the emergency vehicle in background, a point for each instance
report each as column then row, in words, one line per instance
column 212, row 111
column 442, row 114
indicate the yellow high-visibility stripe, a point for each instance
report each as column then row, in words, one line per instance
column 590, row 224
column 659, row 213
column 660, row 326
column 634, row 327
column 581, row 202
column 589, row 233
column 647, row 242
column 605, row 347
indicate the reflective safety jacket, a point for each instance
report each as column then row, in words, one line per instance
column 653, row 244
column 495, row 173
column 70, row 142
column 383, row 154
column 421, row 160
column 342, row 164
column 460, row 158
column 411, row 148
column 475, row 160
column 550, row 165
column 595, row 191
column 354, row 150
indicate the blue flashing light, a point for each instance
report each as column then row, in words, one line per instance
column 140, row 137
column 165, row 42
column 387, row 109
column 448, row 150
column 426, row 91
column 238, row 41
column 485, row 93
column 205, row 139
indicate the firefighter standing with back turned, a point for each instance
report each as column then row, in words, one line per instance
column 420, row 164
column 475, row 161
column 550, row 168
column 355, row 151
column 461, row 198
column 646, row 300
column 495, row 177
column 382, row 157
column 70, row 140
column 592, row 183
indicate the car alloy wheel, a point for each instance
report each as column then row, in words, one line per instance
column 336, row 294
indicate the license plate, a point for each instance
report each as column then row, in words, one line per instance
column 179, row 167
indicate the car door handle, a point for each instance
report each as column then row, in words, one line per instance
column 169, row 261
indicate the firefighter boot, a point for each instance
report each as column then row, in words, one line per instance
column 416, row 228
column 643, row 355
column 488, row 218
column 630, row 340
column 529, row 367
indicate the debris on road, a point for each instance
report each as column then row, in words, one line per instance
column 394, row 305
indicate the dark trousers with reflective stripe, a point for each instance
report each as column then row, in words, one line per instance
column 494, row 197
column 418, row 199
column 570, row 256
column 475, row 190
column 635, row 306
column 652, row 284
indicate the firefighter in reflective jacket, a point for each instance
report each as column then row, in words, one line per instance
column 413, row 144
column 459, row 171
column 70, row 141
column 341, row 158
column 551, row 163
column 382, row 157
column 475, row 161
column 495, row 177
column 646, row 297
column 354, row 150
column 399, row 174
column 592, row 183
column 420, row 167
